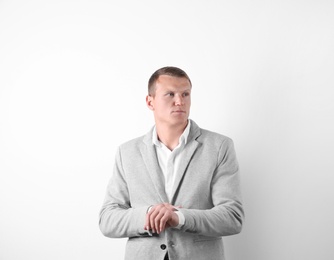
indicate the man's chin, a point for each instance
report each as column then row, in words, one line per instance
column 179, row 121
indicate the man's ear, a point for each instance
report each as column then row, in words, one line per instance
column 149, row 102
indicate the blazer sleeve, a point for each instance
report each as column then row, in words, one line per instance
column 117, row 218
column 226, row 216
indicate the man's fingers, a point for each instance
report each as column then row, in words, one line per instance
column 163, row 222
column 153, row 214
column 147, row 225
column 157, row 221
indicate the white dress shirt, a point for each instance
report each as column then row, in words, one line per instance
column 169, row 162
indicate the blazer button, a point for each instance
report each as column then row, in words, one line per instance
column 163, row 246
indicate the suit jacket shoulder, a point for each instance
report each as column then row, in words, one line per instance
column 213, row 141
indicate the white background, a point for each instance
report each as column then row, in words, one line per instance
column 73, row 78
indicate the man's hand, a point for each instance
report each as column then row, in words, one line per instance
column 160, row 217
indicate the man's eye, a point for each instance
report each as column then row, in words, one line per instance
column 171, row 94
column 186, row 94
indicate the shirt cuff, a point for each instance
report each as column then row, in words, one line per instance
column 181, row 219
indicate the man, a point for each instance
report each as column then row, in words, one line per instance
column 174, row 191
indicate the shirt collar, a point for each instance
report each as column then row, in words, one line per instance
column 183, row 138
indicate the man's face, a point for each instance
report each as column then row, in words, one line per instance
column 171, row 101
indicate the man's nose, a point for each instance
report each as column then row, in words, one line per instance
column 178, row 100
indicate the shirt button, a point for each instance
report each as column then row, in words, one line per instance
column 163, row 246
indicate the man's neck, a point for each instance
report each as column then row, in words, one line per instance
column 170, row 135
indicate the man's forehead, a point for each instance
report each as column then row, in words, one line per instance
column 174, row 88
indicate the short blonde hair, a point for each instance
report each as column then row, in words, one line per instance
column 170, row 71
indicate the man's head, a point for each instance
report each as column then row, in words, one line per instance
column 169, row 96
column 169, row 71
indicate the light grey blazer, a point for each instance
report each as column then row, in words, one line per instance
column 206, row 187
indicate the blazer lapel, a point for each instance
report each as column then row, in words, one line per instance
column 151, row 161
column 188, row 152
